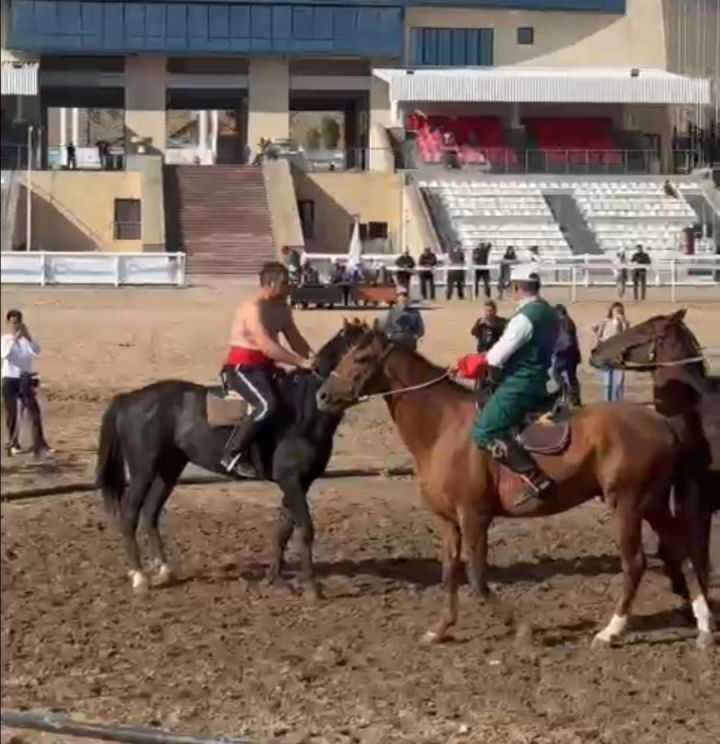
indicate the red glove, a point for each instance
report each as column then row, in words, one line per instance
column 472, row 366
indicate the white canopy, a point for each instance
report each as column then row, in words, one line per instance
column 545, row 85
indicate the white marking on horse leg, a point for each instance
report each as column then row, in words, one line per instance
column 701, row 610
column 139, row 582
column 612, row 630
column 164, row 574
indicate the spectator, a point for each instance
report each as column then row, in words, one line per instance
column 456, row 276
column 669, row 189
column 427, row 262
column 640, row 260
column 621, row 273
column 19, row 349
column 480, row 257
column 508, row 260
column 566, row 357
column 291, row 259
column 404, row 325
column 615, row 322
column 488, row 327
column 534, row 255
column 71, row 156
column 406, row 265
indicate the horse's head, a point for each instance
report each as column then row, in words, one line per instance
column 333, row 351
column 358, row 373
column 663, row 338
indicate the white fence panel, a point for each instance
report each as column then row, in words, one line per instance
column 98, row 269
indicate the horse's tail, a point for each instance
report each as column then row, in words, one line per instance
column 110, row 473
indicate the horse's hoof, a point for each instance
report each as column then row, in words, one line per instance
column 164, row 575
column 704, row 639
column 432, row 637
column 524, row 634
column 139, row 582
column 600, row 642
column 278, row 581
column 313, row 592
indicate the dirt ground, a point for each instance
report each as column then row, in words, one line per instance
column 219, row 653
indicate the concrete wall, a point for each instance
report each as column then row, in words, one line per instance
column 372, row 196
column 268, row 99
column 74, row 210
column 150, row 170
column 561, row 39
column 145, row 101
column 284, row 215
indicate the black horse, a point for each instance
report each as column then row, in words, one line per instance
column 152, row 433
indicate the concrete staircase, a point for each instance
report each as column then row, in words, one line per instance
column 218, row 215
column 578, row 235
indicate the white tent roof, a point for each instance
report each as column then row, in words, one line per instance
column 544, row 85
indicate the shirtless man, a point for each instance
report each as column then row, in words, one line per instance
column 255, row 351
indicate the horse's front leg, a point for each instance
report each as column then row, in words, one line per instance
column 295, row 500
column 283, row 532
column 451, row 545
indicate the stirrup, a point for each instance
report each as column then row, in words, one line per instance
column 235, row 465
column 533, row 490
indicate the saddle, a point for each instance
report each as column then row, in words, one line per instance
column 547, row 431
column 225, row 407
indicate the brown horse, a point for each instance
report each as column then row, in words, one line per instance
column 627, row 453
column 667, row 348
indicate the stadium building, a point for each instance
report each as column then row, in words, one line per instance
column 228, row 129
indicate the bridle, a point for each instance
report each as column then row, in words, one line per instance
column 354, row 398
column 652, row 357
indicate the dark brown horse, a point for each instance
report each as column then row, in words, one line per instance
column 627, row 453
column 667, row 348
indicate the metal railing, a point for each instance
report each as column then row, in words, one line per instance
column 562, row 161
column 574, row 272
column 108, row 269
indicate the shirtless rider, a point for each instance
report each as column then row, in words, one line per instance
column 250, row 367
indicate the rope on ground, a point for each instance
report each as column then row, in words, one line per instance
column 57, row 724
column 65, row 489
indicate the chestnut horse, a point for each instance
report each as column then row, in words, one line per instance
column 666, row 347
column 627, row 453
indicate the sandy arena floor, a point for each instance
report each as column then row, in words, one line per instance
column 218, row 653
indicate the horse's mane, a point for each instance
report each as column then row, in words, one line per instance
column 435, row 370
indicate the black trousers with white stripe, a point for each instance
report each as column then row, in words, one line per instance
column 257, row 386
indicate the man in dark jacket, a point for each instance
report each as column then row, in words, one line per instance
column 566, row 357
column 456, row 272
column 427, row 262
column 640, row 260
column 480, row 257
column 404, row 325
column 488, row 327
column 406, row 264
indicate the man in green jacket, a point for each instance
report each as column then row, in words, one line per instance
column 519, row 361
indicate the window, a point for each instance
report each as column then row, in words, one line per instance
column 128, row 219
column 451, row 47
column 306, row 208
column 526, row 35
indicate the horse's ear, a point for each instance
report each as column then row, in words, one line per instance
column 345, row 324
column 376, row 327
column 679, row 316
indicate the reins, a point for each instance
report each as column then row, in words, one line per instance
column 676, row 363
column 409, row 389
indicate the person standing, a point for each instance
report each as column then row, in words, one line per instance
column 640, row 261
column 621, row 273
column 19, row 351
column 405, row 265
column 480, row 257
column 427, row 263
column 613, row 380
column 566, row 357
column 508, row 260
column 71, row 156
column 488, row 327
column 456, row 274
column 403, row 324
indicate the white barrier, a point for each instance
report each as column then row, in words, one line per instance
column 109, row 269
column 575, row 271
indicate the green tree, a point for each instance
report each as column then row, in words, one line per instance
column 313, row 139
column 330, row 133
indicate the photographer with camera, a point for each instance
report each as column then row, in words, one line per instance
column 19, row 350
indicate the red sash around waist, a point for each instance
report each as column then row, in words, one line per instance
column 239, row 356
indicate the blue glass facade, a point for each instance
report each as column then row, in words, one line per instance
column 206, row 27
column 451, row 47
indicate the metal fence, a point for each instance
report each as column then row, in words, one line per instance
column 575, row 272
column 108, row 269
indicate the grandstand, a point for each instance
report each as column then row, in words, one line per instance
column 425, row 122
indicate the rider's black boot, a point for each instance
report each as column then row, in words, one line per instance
column 513, row 455
column 234, row 457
